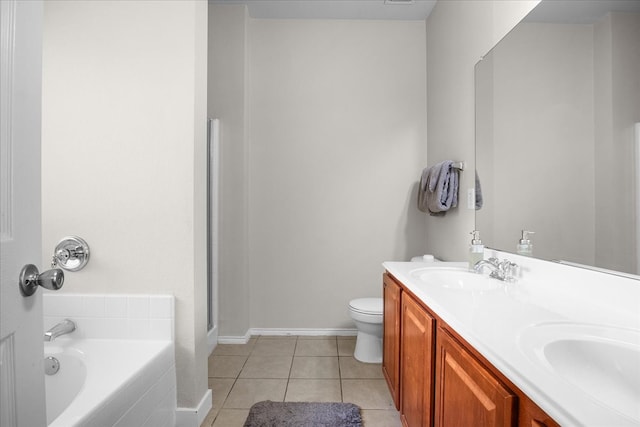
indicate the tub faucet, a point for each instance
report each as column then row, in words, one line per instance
column 501, row 270
column 65, row 327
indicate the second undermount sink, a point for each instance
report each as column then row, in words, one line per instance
column 456, row 279
column 602, row 362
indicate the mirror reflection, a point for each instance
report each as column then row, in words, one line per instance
column 557, row 124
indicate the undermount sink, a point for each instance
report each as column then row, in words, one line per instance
column 602, row 362
column 456, row 279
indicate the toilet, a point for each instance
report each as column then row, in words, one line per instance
column 367, row 315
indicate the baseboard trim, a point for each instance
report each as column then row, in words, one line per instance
column 231, row 339
column 287, row 332
column 194, row 417
column 304, row 332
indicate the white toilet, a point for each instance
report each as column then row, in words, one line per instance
column 367, row 314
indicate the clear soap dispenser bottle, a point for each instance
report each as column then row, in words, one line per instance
column 476, row 249
column 525, row 247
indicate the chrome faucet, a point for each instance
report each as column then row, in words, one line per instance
column 501, row 270
column 65, row 327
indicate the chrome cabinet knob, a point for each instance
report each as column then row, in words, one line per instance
column 31, row 278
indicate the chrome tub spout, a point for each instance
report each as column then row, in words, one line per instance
column 65, row 327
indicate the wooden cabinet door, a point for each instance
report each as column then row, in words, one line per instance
column 467, row 394
column 532, row 416
column 391, row 337
column 416, row 364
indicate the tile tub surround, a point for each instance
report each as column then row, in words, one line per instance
column 112, row 316
column 494, row 323
column 295, row 368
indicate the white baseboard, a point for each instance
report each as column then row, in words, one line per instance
column 287, row 332
column 193, row 417
column 231, row 339
column 304, row 332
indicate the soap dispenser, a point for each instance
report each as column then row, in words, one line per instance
column 525, row 247
column 476, row 249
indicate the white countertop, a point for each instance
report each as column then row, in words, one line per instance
column 497, row 321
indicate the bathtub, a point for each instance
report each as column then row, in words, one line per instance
column 113, row 371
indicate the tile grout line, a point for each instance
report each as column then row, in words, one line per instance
column 296, row 346
column 235, row 380
column 340, row 372
column 286, row 389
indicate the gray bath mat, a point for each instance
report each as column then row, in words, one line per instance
column 307, row 414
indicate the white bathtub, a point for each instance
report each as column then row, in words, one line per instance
column 111, row 383
column 118, row 367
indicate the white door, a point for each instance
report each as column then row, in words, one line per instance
column 22, row 401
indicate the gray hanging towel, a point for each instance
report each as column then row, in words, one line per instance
column 438, row 191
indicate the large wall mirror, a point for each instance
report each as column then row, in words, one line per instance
column 557, row 124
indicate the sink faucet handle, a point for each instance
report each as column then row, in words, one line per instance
column 509, row 269
column 505, row 263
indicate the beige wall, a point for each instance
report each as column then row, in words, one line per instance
column 459, row 33
column 333, row 144
column 228, row 102
column 337, row 135
column 124, row 129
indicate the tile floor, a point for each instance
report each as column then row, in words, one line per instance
column 319, row 369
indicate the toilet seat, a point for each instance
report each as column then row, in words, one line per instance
column 367, row 306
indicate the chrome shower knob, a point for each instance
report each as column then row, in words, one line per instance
column 71, row 254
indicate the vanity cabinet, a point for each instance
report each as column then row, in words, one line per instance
column 531, row 416
column 438, row 379
column 463, row 383
column 391, row 337
column 416, row 363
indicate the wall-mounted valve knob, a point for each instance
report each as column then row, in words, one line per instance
column 71, row 254
column 31, row 278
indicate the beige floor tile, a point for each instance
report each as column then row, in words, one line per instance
column 352, row 368
column 346, row 347
column 313, row 390
column 235, row 349
column 210, row 418
column 220, row 388
column 326, row 347
column 316, row 337
column 231, row 418
column 226, row 366
column 277, row 337
column 367, row 394
column 381, row 418
column 246, row 392
column 258, row 366
column 275, row 346
column 315, row 367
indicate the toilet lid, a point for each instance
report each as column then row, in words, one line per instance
column 367, row 305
